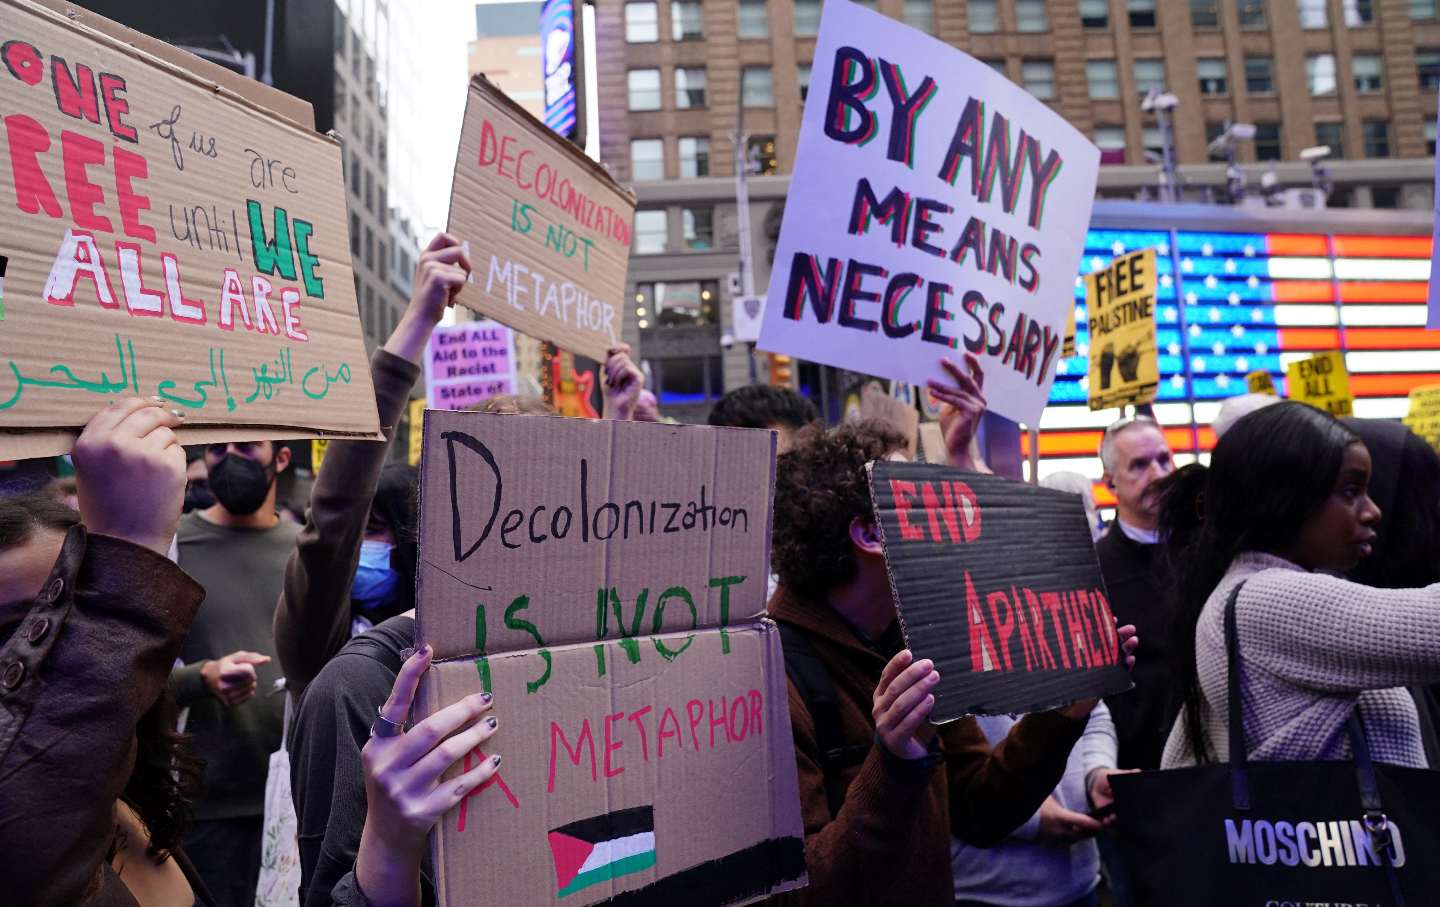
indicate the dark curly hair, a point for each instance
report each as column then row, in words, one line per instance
column 820, row 486
column 763, row 406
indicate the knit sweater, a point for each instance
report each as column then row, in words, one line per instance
column 1312, row 648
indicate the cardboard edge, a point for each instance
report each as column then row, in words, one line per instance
column 885, row 546
column 22, row 444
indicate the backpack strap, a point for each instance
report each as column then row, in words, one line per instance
column 812, row 681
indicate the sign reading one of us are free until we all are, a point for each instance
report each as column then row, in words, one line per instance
column 547, row 228
column 164, row 236
column 936, row 208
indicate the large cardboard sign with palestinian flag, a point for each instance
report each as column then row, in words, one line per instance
column 606, row 582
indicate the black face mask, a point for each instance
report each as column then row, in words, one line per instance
column 240, row 484
column 198, row 495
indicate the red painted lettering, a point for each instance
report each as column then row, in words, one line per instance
column 1005, row 627
column 903, row 492
column 982, row 646
column 635, row 718
column 112, row 89
column 969, row 507
column 24, row 61
column 1051, row 602
column 674, row 731
column 1043, row 655
column 611, row 744
column 695, row 711
column 757, row 723
column 78, row 153
column 1027, row 645
column 718, row 722
column 130, row 166
column 738, row 725
column 586, row 739
column 75, row 91
column 27, row 139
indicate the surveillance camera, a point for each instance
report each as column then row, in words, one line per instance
column 1316, row 153
column 1242, row 132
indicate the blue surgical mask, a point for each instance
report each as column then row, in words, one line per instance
column 375, row 580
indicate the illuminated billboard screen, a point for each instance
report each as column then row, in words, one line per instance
column 558, row 57
column 1232, row 303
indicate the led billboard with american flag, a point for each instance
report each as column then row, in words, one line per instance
column 1231, row 302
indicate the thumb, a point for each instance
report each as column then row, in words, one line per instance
column 250, row 658
column 1078, row 820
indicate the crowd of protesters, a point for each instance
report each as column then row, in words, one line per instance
column 119, row 615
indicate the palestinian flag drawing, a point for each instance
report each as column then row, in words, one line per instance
column 602, row 848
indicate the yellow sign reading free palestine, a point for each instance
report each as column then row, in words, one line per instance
column 1322, row 382
column 1424, row 415
column 1120, row 311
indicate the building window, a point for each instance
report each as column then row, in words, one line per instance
column 1205, row 13
column 919, row 14
column 1313, row 13
column 1110, row 138
column 1149, row 75
column 1038, row 77
column 1095, row 14
column 1211, row 71
column 1376, row 134
column 370, row 311
column 679, row 304
column 341, row 27
column 687, row 20
column 1369, row 72
column 694, row 156
column 1153, row 141
column 642, row 23
column 354, row 235
column 803, row 77
column 697, row 227
column 1267, row 141
column 644, row 89
column 1358, row 12
column 757, row 88
column 753, row 19
column 369, row 192
column 1259, row 77
column 1320, row 74
column 689, row 88
column 355, row 174
column 688, row 379
column 381, row 253
column 1427, row 65
column 1104, row 79
column 984, row 16
column 1030, row 16
column 652, row 229
column 1213, row 131
column 1424, row 10
column 807, row 18
column 369, row 249
column 647, row 159
column 760, row 151
column 1251, row 13
column 1142, row 13
column 1332, row 134
column 1384, row 196
column 1430, row 136
column 997, row 65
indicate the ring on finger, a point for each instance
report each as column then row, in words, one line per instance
column 384, row 727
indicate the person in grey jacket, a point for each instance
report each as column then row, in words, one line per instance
column 1283, row 507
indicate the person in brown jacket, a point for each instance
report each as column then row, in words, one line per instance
column 882, row 794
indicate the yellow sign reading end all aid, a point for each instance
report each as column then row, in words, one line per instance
column 1323, row 382
column 1120, row 312
column 1424, row 415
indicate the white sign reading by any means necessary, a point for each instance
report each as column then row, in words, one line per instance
column 936, row 208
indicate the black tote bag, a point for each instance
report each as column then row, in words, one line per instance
column 1281, row 834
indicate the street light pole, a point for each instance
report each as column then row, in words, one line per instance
column 742, row 222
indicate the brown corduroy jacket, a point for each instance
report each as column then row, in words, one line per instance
column 889, row 841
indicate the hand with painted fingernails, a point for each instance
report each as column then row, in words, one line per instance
column 902, row 704
column 405, row 789
column 130, row 472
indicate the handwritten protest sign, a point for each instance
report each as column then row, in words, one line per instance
column 997, row 582
column 606, row 581
column 922, row 216
column 1261, row 382
column 554, row 227
column 1424, row 415
column 1323, row 382
column 165, row 236
column 1120, row 308
column 468, row 363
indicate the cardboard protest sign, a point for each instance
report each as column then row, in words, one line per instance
column 168, row 237
column 997, row 582
column 937, row 234
column 469, row 363
column 1261, row 382
column 1323, row 382
column 1424, row 415
column 1067, row 346
column 553, row 226
column 606, row 582
column 1120, row 308
column 877, row 404
column 932, row 443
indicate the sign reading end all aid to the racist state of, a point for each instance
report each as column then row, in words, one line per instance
column 547, row 228
column 164, row 235
column 997, row 582
column 606, row 582
column 936, row 208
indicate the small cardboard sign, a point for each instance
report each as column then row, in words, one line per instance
column 877, row 404
column 1424, row 415
column 165, row 236
column 1067, row 347
column 1120, row 310
column 1261, row 382
column 548, row 229
column 919, row 218
column 469, row 363
column 417, row 431
column 997, row 582
column 606, row 582
column 1322, row 382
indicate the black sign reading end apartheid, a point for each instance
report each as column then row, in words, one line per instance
column 997, row 583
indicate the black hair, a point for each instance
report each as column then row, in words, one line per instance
column 1268, row 474
column 167, row 775
column 1405, row 485
column 761, row 406
column 395, row 503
